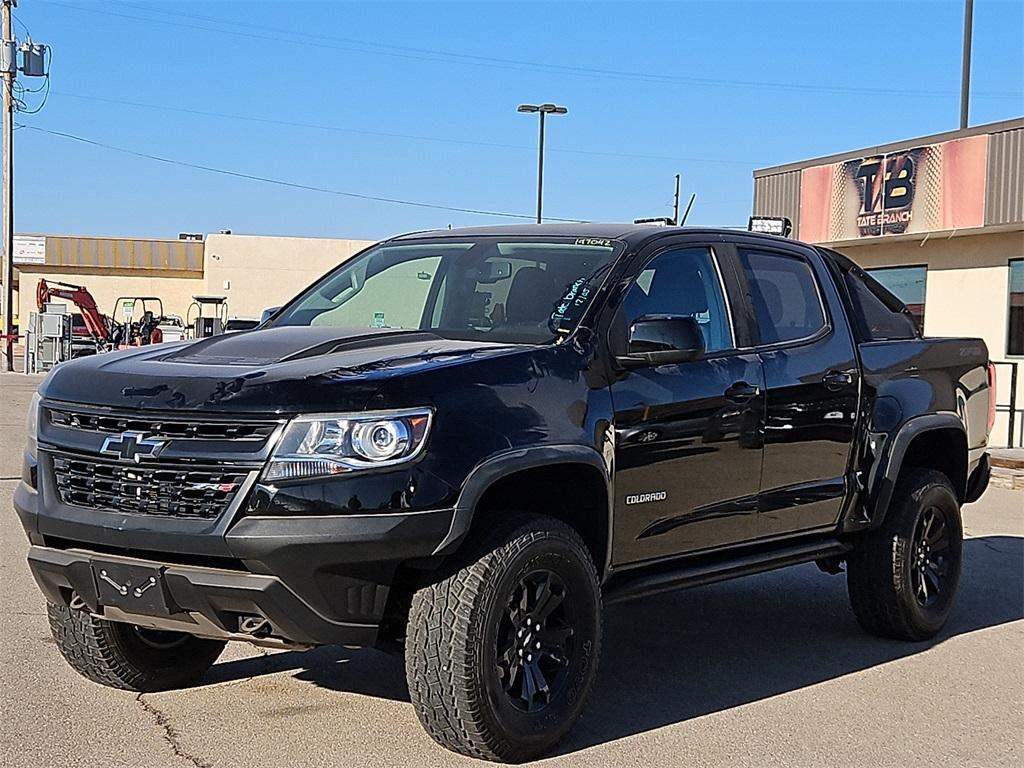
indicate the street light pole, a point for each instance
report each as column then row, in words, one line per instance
column 540, row 168
column 543, row 110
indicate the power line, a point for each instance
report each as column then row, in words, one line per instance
column 285, row 183
column 386, row 134
column 22, row 23
column 305, row 35
column 307, row 39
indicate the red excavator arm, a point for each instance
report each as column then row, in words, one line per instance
column 95, row 322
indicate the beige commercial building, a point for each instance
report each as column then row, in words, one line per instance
column 251, row 272
column 940, row 221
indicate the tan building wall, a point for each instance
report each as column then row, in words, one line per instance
column 252, row 272
column 255, row 272
column 966, row 293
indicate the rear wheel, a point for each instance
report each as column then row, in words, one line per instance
column 129, row 657
column 903, row 577
column 501, row 652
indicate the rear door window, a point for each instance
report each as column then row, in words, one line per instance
column 784, row 294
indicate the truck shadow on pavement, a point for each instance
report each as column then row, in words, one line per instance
column 679, row 656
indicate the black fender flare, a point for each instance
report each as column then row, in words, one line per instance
column 886, row 469
column 506, row 463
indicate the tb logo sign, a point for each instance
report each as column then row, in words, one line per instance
column 886, row 187
column 886, row 183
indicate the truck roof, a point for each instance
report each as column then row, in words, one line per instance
column 631, row 234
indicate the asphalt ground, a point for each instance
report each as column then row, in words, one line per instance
column 768, row 670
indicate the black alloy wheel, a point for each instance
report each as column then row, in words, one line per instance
column 535, row 641
column 160, row 639
column 930, row 551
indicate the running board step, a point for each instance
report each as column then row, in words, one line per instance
column 667, row 577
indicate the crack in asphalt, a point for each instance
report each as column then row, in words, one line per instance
column 268, row 664
column 267, row 661
column 171, row 734
column 987, row 545
column 997, row 549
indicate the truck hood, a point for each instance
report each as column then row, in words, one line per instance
column 273, row 370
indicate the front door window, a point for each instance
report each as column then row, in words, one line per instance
column 683, row 282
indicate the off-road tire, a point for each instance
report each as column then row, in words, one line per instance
column 455, row 630
column 116, row 655
column 880, row 578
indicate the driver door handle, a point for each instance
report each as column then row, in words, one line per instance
column 741, row 392
column 836, row 380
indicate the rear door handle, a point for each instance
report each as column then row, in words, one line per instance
column 741, row 392
column 836, row 380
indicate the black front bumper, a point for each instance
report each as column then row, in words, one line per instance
column 317, row 580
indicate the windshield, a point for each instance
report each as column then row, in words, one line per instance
column 521, row 291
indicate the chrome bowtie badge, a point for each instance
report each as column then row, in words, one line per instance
column 132, row 445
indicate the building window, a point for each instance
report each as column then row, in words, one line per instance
column 907, row 284
column 1015, row 329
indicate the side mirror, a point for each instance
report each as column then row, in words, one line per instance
column 267, row 314
column 662, row 340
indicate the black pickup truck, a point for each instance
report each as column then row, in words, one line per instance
column 465, row 444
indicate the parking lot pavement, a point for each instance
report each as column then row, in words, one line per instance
column 769, row 670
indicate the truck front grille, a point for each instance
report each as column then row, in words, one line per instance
column 167, row 427
column 200, row 493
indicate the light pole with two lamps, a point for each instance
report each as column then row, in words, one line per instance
column 542, row 110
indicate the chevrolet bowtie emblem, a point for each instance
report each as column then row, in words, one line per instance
column 132, row 445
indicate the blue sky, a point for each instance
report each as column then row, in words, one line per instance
column 719, row 89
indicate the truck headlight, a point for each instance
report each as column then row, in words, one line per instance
column 32, row 424
column 321, row 446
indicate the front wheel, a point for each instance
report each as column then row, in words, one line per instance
column 129, row 657
column 902, row 578
column 502, row 652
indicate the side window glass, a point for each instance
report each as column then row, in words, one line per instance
column 682, row 282
column 908, row 284
column 883, row 315
column 785, row 296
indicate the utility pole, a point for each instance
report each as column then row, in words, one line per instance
column 34, row 64
column 675, row 203
column 965, row 76
column 543, row 110
column 10, row 69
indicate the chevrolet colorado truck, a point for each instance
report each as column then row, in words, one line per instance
column 465, row 445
